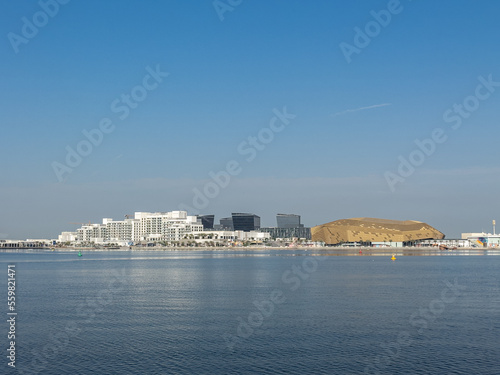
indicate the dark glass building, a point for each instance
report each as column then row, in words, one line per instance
column 288, row 221
column 288, row 233
column 207, row 221
column 245, row 222
column 226, row 223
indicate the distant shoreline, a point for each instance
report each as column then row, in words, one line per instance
column 366, row 250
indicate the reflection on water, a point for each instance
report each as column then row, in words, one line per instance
column 136, row 255
column 155, row 312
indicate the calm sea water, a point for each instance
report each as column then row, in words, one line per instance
column 258, row 312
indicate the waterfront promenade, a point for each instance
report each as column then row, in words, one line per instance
column 325, row 250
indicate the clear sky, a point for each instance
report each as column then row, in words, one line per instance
column 360, row 82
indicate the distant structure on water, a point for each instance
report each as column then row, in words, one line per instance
column 177, row 228
column 370, row 231
column 207, row 221
column 165, row 227
column 245, row 222
column 226, row 223
column 288, row 221
column 288, row 227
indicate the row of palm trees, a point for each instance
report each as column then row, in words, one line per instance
column 201, row 236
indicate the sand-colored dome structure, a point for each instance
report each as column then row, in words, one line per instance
column 365, row 229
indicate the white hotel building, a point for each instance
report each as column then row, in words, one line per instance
column 145, row 226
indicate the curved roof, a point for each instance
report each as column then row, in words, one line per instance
column 365, row 229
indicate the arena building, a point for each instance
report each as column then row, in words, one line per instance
column 366, row 231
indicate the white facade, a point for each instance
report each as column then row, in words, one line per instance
column 67, row 237
column 484, row 240
column 91, row 233
column 146, row 226
column 118, row 230
column 387, row 244
column 237, row 235
column 165, row 226
column 449, row 243
column 157, row 227
column 467, row 235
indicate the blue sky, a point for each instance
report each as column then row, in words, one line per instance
column 353, row 119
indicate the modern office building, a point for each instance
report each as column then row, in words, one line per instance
column 226, row 223
column 207, row 221
column 288, row 233
column 288, row 221
column 245, row 222
column 289, row 228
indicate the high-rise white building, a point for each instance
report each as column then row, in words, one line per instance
column 67, row 237
column 118, row 230
column 145, row 226
column 91, row 233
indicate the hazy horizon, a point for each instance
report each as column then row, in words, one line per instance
column 309, row 108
